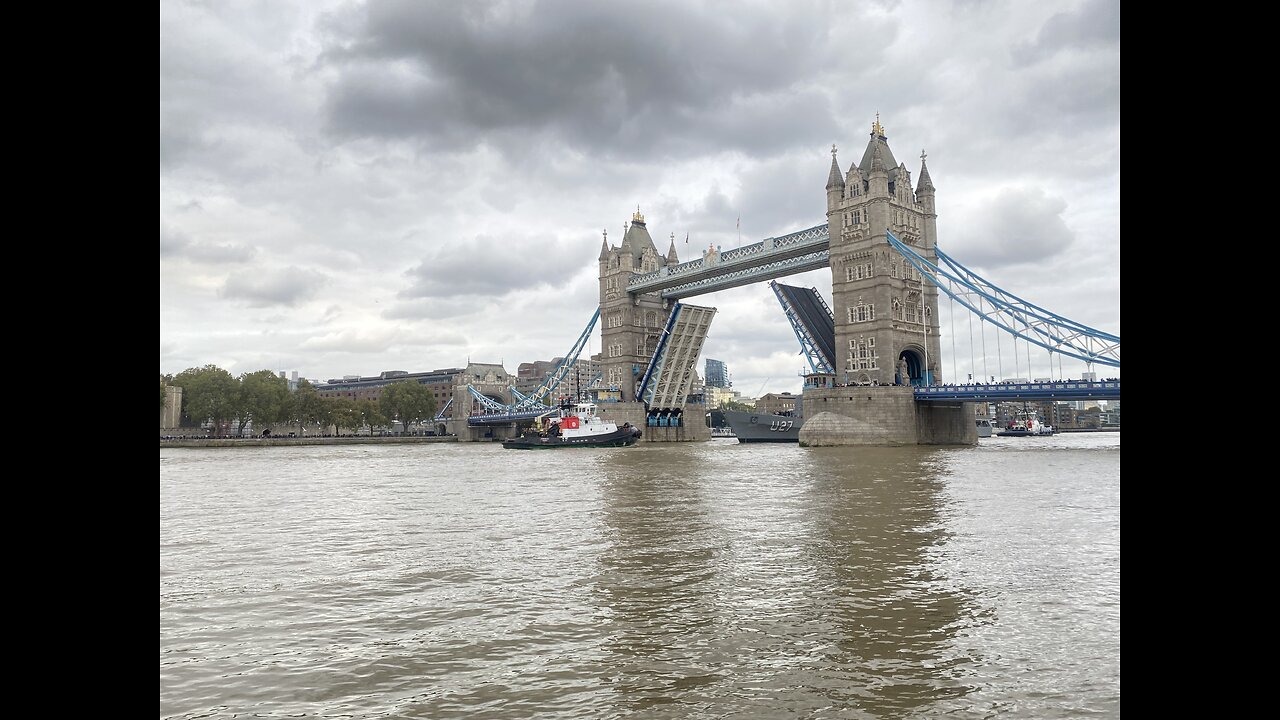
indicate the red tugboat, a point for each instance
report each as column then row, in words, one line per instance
column 575, row 425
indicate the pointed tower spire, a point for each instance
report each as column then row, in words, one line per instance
column 835, row 185
column 879, row 178
column 925, row 182
column 877, row 143
column 604, row 245
column 877, row 160
column 671, row 252
column 834, row 178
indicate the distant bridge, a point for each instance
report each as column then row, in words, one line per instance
column 503, row 418
column 995, row 392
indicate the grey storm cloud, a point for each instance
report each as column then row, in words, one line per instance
column 477, row 268
column 173, row 242
column 177, row 244
column 774, row 198
column 1021, row 225
column 1094, row 24
column 605, row 76
column 1071, row 78
column 286, row 286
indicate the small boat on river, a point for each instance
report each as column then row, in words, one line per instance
column 1025, row 424
column 984, row 427
column 574, row 425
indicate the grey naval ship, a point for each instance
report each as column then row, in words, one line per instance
column 764, row 427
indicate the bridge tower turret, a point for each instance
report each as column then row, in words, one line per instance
column 886, row 313
column 925, row 193
column 835, row 184
column 631, row 324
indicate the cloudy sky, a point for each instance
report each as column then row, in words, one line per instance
column 352, row 187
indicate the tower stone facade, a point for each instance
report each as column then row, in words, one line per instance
column 886, row 314
column 632, row 324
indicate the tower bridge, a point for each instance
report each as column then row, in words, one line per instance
column 881, row 333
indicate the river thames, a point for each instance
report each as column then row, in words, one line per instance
column 699, row 580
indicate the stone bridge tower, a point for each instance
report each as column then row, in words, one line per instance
column 631, row 325
column 886, row 314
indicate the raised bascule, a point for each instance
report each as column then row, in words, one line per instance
column 877, row 348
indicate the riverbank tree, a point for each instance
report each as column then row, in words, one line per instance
column 408, row 402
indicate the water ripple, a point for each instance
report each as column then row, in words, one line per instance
column 708, row 580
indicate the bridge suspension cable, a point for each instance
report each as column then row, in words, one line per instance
column 516, row 393
column 488, row 402
column 441, row 415
column 532, row 401
column 1012, row 314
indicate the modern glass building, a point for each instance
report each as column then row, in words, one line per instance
column 717, row 374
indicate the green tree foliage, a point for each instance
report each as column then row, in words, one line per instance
column 735, row 405
column 163, row 394
column 370, row 414
column 408, row 402
column 344, row 414
column 326, row 414
column 209, row 394
column 306, row 407
column 263, row 399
